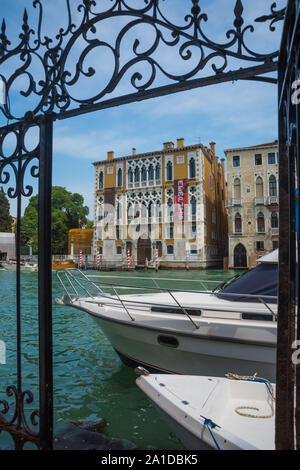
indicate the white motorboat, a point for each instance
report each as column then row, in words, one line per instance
column 187, row 332
column 26, row 267
column 213, row 412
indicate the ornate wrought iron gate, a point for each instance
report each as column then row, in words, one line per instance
column 53, row 91
column 288, row 370
column 39, row 163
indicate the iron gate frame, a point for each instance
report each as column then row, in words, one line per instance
column 288, row 371
column 57, row 103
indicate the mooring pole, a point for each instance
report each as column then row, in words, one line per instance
column 45, row 284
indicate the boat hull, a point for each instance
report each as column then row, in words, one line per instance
column 64, row 266
column 13, row 267
column 194, row 355
column 215, row 413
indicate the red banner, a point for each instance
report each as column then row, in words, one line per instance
column 180, row 199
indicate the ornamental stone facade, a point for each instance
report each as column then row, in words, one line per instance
column 252, row 204
column 165, row 206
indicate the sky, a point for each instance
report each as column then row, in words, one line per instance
column 230, row 114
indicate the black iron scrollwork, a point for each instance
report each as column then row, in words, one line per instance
column 274, row 17
column 53, row 89
column 16, row 164
column 17, row 425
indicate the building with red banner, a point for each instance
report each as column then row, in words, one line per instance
column 164, row 207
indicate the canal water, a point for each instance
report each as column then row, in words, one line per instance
column 90, row 382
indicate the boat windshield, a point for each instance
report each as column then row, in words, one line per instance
column 260, row 281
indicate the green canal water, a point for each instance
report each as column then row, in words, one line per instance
column 90, row 382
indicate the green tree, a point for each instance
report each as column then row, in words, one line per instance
column 68, row 212
column 5, row 219
column 90, row 224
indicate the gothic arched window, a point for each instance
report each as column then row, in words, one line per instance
column 101, row 180
column 260, row 222
column 169, row 171
column 259, row 187
column 274, row 220
column 157, row 172
column 193, row 207
column 192, row 168
column 119, row 178
column 151, row 173
column 137, row 174
column 272, row 186
column 238, row 223
column 144, row 174
column 237, row 188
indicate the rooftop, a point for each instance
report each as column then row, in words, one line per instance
column 168, row 147
column 260, row 146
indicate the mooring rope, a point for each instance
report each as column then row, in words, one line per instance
column 254, row 378
column 211, row 425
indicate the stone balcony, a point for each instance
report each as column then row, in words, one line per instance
column 275, row 231
column 259, row 200
column 273, row 200
column 237, row 201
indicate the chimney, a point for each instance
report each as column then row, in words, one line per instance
column 110, row 155
column 180, row 143
column 213, row 147
column 134, row 151
column 168, row 145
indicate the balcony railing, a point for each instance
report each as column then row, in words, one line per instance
column 273, row 200
column 144, row 183
column 237, row 201
column 274, row 231
column 259, row 200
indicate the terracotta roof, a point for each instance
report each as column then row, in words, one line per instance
column 149, row 154
column 269, row 144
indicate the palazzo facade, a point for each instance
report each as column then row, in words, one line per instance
column 163, row 207
column 253, row 203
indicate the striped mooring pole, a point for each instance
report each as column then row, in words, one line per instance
column 128, row 258
column 156, row 259
column 187, row 258
column 98, row 260
column 80, row 259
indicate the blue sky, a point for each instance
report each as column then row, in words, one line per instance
column 231, row 114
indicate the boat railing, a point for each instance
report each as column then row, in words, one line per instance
column 68, row 276
column 216, row 283
column 75, row 280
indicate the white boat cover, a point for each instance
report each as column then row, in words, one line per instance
column 269, row 258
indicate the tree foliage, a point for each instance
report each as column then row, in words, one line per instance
column 68, row 212
column 5, row 219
